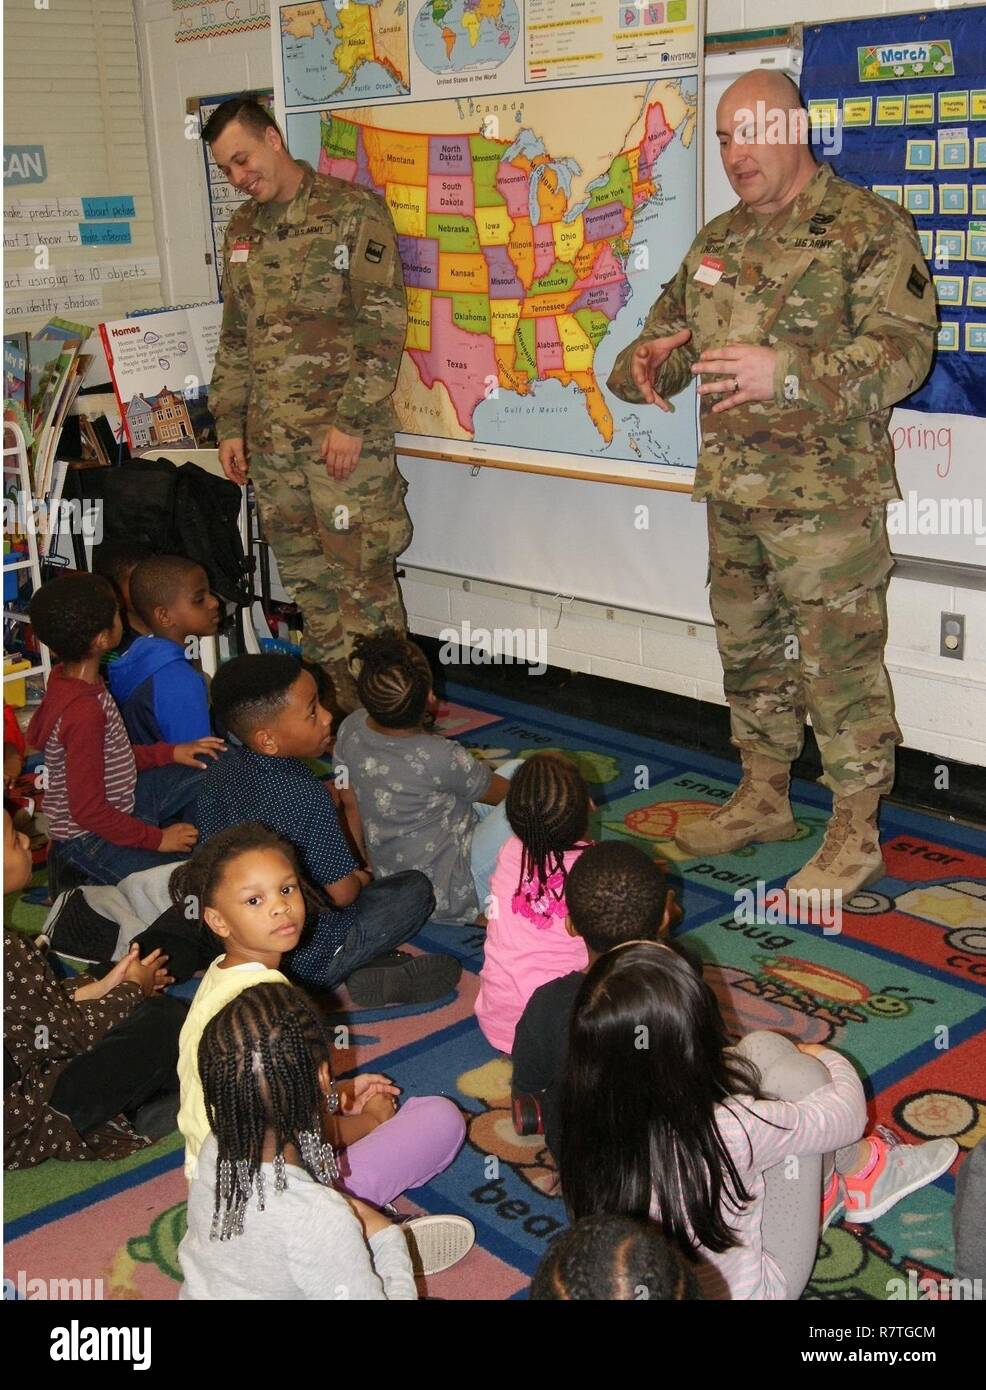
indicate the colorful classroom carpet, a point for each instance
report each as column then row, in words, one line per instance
column 900, row 990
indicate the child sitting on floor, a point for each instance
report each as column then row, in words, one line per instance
column 275, row 1114
column 245, row 887
column 415, row 800
column 14, row 789
column 112, row 809
column 662, row 1118
column 548, row 809
column 104, row 1082
column 615, row 893
column 116, row 561
column 612, row 1259
column 271, row 705
column 162, row 696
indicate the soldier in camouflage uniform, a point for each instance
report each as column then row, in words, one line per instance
column 808, row 312
column 314, row 319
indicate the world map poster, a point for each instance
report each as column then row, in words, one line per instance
column 352, row 52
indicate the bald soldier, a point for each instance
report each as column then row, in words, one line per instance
column 807, row 312
column 314, row 319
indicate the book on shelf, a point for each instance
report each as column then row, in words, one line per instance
column 161, row 365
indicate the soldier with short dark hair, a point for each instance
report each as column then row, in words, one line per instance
column 808, row 311
column 313, row 329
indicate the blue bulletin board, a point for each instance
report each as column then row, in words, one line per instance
column 907, row 96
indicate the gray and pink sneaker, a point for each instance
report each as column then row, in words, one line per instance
column 895, row 1170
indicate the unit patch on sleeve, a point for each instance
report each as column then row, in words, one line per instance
column 917, row 283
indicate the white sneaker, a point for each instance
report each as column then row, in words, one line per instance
column 899, row 1170
column 438, row 1242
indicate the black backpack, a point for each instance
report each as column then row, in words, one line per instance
column 173, row 510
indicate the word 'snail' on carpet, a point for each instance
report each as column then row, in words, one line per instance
column 899, row 989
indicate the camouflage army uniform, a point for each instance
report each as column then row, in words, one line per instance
column 797, row 486
column 313, row 329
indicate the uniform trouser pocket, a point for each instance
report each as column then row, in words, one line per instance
column 335, row 546
column 800, row 605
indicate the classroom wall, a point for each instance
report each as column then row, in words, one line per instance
column 72, row 84
column 940, row 702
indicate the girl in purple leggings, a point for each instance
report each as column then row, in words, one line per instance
column 284, row 1202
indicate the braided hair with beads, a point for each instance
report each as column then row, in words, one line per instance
column 394, row 679
column 259, row 1060
column 194, row 883
column 548, row 809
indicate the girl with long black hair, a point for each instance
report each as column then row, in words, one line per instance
column 661, row 1117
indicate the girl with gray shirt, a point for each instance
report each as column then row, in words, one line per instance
column 413, row 799
column 264, row 1218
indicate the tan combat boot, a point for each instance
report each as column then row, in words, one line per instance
column 849, row 857
column 759, row 809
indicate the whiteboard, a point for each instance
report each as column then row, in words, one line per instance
column 560, row 535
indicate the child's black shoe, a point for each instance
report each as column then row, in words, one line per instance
column 399, row 978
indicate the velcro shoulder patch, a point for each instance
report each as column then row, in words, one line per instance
column 910, row 294
column 917, row 283
column 375, row 256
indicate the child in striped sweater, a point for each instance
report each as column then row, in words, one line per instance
column 662, row 1118
column 112, row 809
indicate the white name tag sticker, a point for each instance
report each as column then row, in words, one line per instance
column 240, row 251
column 710, row 271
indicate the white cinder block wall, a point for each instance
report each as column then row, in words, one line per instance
column 941, row 703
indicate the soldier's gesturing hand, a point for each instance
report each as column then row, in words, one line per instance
column 647, row 361
column 341, row 453
column 745, row 372
column 233, row 460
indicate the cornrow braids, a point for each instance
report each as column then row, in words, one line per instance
column 548, row 810
column 259, row 1060
column 609, row 1258
column 394, row 679
column 194, row 883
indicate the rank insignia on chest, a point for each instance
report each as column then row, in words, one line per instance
column 240, row 251
column 374, row 251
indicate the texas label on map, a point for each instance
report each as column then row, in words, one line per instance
column 535, row 232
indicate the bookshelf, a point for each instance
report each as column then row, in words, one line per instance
column 16, row 464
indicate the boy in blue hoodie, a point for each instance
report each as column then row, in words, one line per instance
column 162, row 696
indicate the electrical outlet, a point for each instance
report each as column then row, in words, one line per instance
column 953, row 635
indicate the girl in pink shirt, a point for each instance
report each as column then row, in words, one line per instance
column 662, row 1118
column 527, row 943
